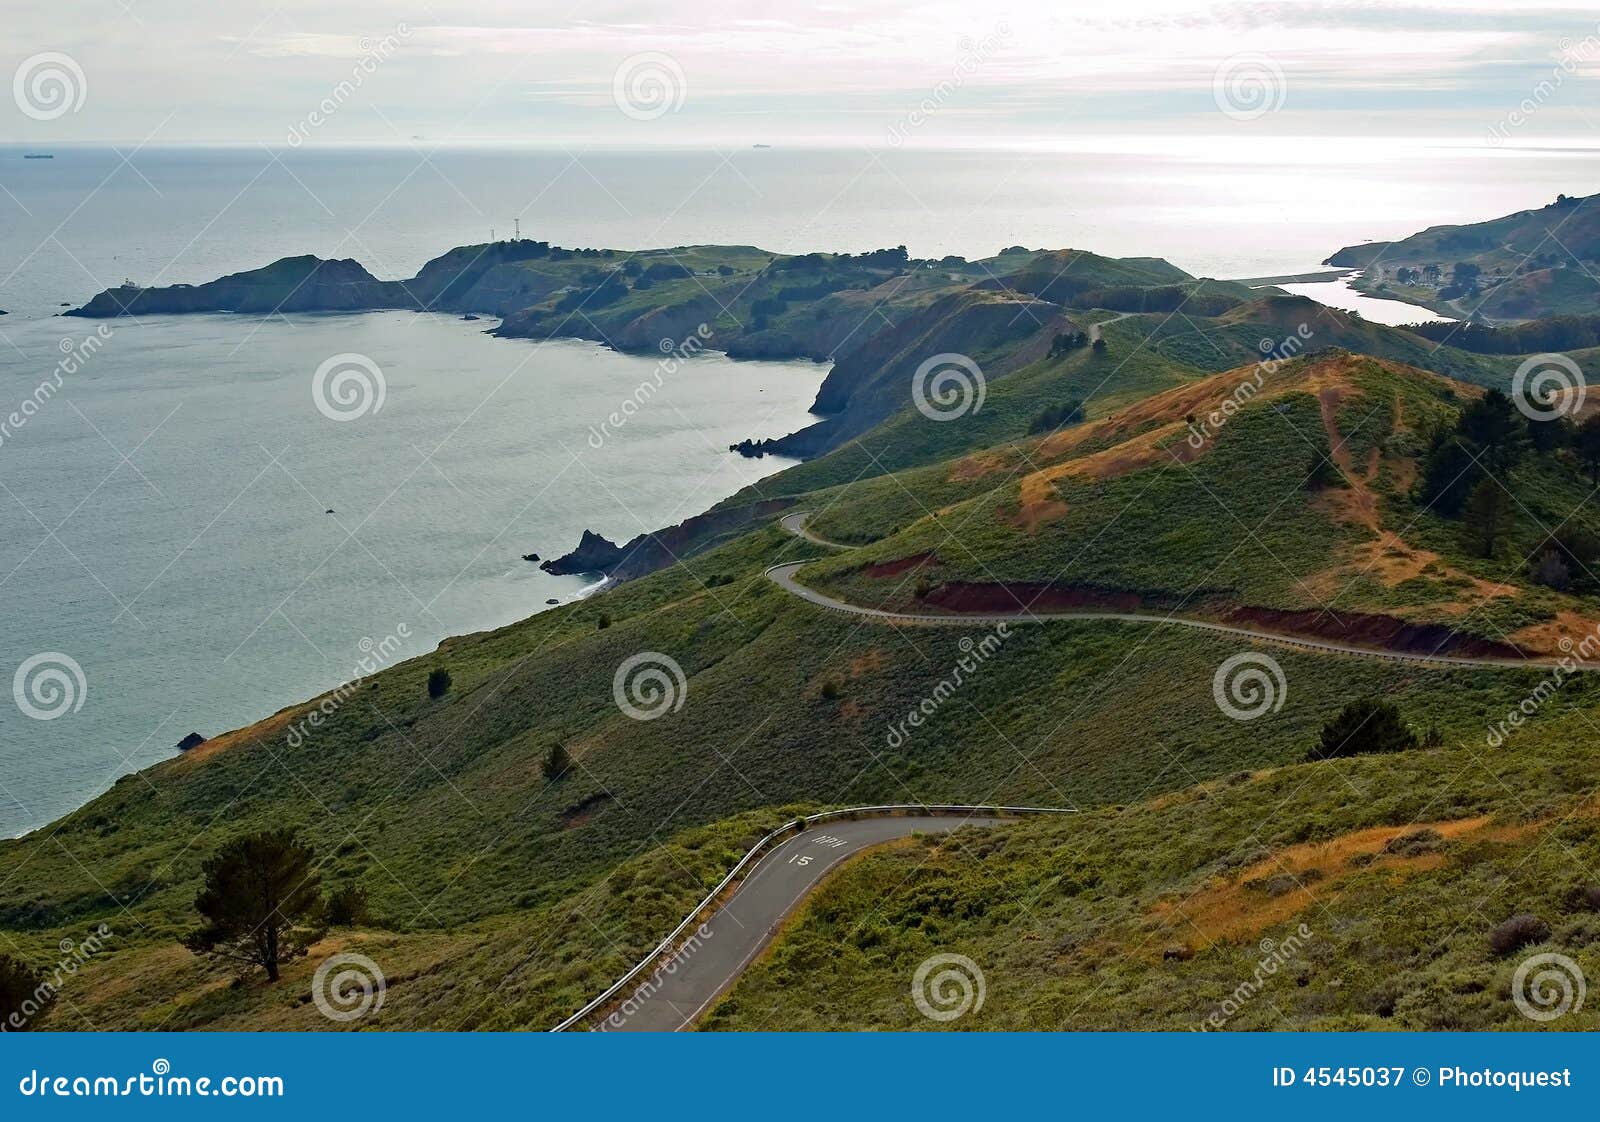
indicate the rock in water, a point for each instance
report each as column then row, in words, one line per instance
column 594, row 554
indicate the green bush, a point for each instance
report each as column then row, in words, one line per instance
column 438, row 682
column 1361, row 728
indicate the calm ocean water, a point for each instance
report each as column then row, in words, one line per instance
column 162, row 518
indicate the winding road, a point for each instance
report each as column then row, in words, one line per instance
column 673, row 994
column 784, row 577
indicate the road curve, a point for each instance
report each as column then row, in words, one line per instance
column 784, row 577
column 677, row 991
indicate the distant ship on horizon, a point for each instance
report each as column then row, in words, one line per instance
column 38, row 155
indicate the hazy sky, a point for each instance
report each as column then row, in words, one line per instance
column 715, row 72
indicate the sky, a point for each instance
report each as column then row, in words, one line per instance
column 739, row 72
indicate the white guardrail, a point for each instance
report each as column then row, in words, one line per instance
column 758, row 850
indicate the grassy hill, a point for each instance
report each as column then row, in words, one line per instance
column 502, row 899
column 1527, row 265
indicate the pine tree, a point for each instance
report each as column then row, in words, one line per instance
column 261, row 901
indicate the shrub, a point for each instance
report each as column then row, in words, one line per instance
column 346, row 906
column 557, row 762
column 438, row 682
column 1414, row 843
column 1361, row 728
column 1517, row 932
column 603, row 622
column 1584, row 898
column 830, row 689
column 23, row 994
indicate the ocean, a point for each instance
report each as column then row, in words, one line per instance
column 187, row 542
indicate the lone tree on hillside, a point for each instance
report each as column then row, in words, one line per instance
column 1586, row 446
column 1364, row 727
column 1487, row 518
column 557, row 763
column 262, row 902
column 24, row 994
column 438, row 682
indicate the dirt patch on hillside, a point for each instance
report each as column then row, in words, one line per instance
column 900, row 565
column 968, row 598
column 269, row 726
column 1376, row 632
column 1277, row 887
column 1547, row 637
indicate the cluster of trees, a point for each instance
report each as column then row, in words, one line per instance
column 1465, row 470
column 1069, row 412
column 1558, row 333
column 1068, row 341
column 1154, row 298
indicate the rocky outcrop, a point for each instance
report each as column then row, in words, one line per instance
column 649, row 552
column 595, row 554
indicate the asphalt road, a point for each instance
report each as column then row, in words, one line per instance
column 670, row 996
column 784, row 577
